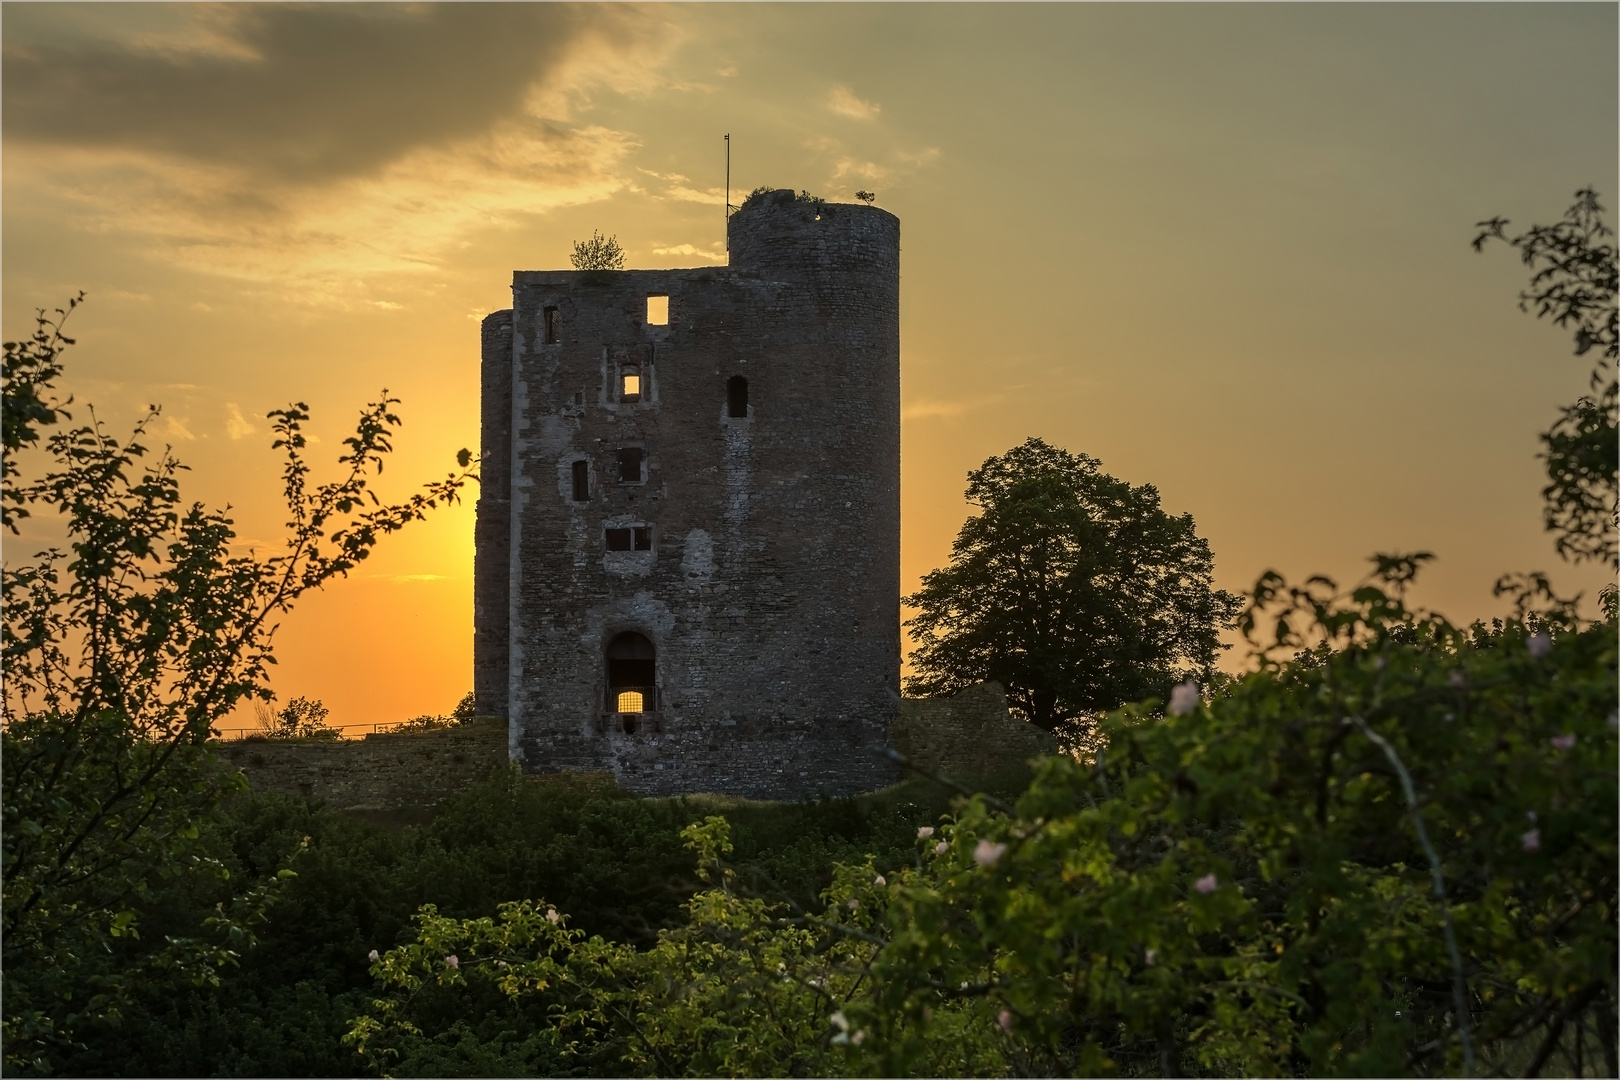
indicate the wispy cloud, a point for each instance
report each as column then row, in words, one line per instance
column 237, row 426
column 923, row 410
column 845, row 103
column 871, row 171
column 691, row 251
column 175, row 429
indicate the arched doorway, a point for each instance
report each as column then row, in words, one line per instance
column 632, row 677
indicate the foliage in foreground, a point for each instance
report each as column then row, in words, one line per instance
column 613, row 860
column 121, row 654
column 1246, row 888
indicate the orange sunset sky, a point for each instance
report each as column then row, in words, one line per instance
column 1224, row 249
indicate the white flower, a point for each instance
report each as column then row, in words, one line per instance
column 372, row 956
column 858, row 1038
column 1151, row 956
column 552, row 917
column 1539, row 645
column 839, row 1020
column 1531, row 841
column 853, row 904
column 880, row 880
column 988, row 853
column 940, row 848
column 1206, row 884
column 1184, row 698
column 924, row 832
column 452, row 961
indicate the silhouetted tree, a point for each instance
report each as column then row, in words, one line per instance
column 1575, row 283
column 1072, row 589
column 121, row 655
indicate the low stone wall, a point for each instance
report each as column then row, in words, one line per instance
column 968, row 735
column 378, row 774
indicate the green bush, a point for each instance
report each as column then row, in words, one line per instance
column 1392, row 854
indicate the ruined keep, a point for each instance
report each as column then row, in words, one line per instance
column 688, row 539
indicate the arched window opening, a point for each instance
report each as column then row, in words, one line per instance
column 632, row 677
column 737, row 396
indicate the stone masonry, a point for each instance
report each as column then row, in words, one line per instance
column 688, row 538
column 967, row 737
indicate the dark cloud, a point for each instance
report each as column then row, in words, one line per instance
column 315, row 93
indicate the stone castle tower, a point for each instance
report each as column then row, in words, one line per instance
column 688, row 540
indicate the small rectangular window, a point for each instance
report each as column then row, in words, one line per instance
column 630, row 384
column 737, row 397
column 582, row 482
column 630, row 465
column 551, row 326
column 636, row 538
column 657, row 311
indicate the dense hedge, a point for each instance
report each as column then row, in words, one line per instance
column 615, row 861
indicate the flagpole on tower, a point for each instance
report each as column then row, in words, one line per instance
column 728, row 192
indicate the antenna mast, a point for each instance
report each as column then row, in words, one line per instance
column 728, row 192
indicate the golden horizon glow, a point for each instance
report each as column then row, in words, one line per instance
column 1222, row 248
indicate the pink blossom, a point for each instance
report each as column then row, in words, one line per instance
column 939, row 848
column 1531, row 841
column 1563, row 742
column 925, row 831
column 1005, row 1020
column 452, row 961
column 858, row 1038
column 552, row 917
column 853, row 904
column 988, row 853
column 372, row 956
column 1184, row 698
column 1539, row 645
column 1206, row 884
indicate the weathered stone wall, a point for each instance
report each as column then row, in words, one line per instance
column 492, row 534
column 771, row 588
column 383, row 772
column 967, row 736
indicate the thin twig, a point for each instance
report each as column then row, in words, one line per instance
column 1458, row 986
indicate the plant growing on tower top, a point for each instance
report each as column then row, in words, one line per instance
column 598, row 253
